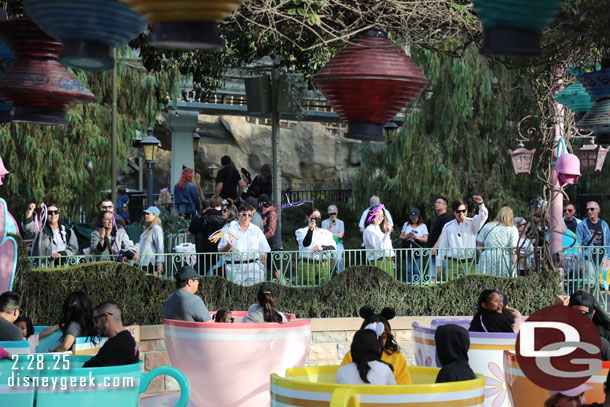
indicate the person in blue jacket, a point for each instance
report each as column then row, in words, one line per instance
column 122, row 203
column 185, row 193
column 594, row 236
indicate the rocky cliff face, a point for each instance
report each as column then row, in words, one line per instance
column 308, row 152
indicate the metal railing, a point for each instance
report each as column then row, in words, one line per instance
column 583, row 268
column 303, row 191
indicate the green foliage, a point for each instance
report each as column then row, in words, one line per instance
column 70, row 165
column 454, row 142
column 142, row 296
column 173, row 221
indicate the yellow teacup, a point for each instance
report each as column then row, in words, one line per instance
column 315, row 386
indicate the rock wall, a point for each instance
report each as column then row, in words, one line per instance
column 308, row 151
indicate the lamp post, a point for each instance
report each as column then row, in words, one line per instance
column 213, row 170
column 390, row 130
column 150, row 146
column 196, row 138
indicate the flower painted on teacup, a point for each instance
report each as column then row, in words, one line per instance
column 495, row 386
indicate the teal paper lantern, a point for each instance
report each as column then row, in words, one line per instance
column 575, row 98
column 514, row 27
column 597, row 85
column 88, row 29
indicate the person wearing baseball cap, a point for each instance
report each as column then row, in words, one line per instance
column 585, row 303
column 151, row 242
column 337, row 228
column 414, row 236
column 183, row 304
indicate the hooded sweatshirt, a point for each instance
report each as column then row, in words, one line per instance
column 452, row 344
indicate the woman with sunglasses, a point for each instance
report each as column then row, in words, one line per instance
column 52, row 239
column 377, row 240
column 110, row 241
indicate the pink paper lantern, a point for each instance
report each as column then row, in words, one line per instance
column 567, row 168
column 522, row 159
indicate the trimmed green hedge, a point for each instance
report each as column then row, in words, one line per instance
column 142, row 296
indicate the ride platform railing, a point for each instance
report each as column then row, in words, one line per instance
column 583, row 267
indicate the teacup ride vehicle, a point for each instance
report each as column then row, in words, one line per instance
column 485, row 356
column 58, row 379
column 524, row 393
column 315, row 386
column 229, row 364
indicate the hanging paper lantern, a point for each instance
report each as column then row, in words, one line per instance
column 522, row 159
column 187, row 24
column 6, row 60
column 87, row 28
column 39, row 87
column 567, row 168
column 597, row 84
column 592, row 156
column 514, row 27
column 575, row 98
column 368, row 82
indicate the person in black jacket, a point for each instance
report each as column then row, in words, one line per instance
column 585, row 303
column 490, row 316
column 202, row 227
column 452, row 345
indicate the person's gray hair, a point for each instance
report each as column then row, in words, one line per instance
column 594, row 203
column 374, row 200
column 517, row 220
column 111, row 308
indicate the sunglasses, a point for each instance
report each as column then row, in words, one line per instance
column 332, row 214
column 107, row 207
column 95, row 318
column 591, row 209
column 55, row 212
column 568, row 210
column 461, row 211
column 247, row 215
column 223, row 210
column 523, row 224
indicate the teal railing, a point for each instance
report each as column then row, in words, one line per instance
column 582, row 267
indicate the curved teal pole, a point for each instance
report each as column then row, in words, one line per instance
column 185, row 387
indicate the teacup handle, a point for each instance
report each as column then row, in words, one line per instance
column 342, row 398
column 185, row 387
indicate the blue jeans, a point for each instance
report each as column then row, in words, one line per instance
column 414, row 270
column 337, row 257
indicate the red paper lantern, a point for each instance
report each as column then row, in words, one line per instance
column 39, row 87
column 368, row 82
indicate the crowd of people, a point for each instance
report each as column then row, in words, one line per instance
column 244, row 220
column 374, row 357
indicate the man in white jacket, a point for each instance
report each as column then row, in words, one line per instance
column 458, row 239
